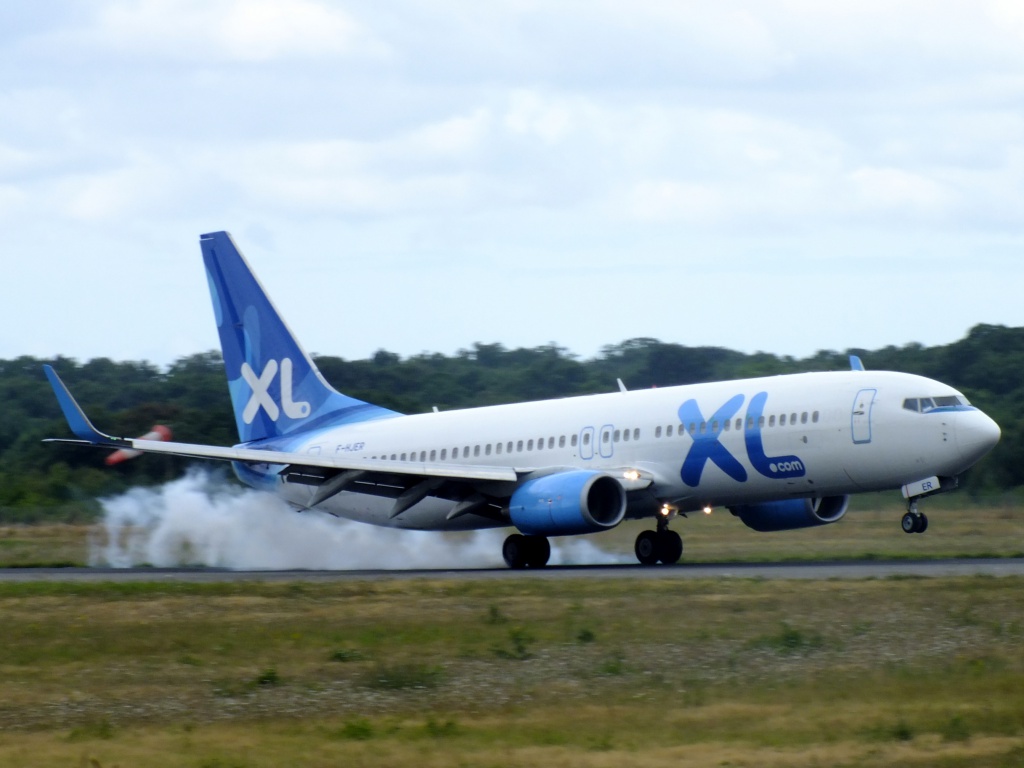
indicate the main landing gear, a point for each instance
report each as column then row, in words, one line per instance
column 660, row 546
column 522, row 551
column 914, row 521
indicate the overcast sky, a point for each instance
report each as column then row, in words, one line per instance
column 777, row 176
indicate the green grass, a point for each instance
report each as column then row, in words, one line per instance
column 869, row 531
column 592, row 672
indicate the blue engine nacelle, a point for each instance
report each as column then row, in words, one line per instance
column 566, row 503
column 792, row 513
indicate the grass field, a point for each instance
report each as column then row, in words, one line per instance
column 869, row 530
column 911, row 672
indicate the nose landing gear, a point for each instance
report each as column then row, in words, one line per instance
column 914, row 521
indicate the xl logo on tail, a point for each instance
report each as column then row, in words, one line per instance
column 261, row 398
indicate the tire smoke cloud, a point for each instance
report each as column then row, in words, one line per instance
column 202, row 519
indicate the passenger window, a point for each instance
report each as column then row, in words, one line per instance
column 606, row 437
column 508, row 448
column 625, row 435
column 403, row 457
column 423, row 455
column 760, row 422
column 444, row 454
column 519, row 446
column 433, row 455
column 529, row 445
column 586, row 438
column 476, row 450
column 668, row 431
column 455, row 453
column 792, row 419
column 727, row 425
column 657, row 432
column 693, row 427
column 617, row 436
column 771, row 421
column 803, row 417
column 392, row 457
column 636, row 433
column 573, row 441
column 497, row 448
column 487, row 450
column 703, row 427
column 561, row 441
column 814, row 417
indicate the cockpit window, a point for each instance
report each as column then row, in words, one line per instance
column 926, row 404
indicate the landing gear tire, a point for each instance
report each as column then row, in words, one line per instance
column 914, row 522
column 670, row 547
column 539, row 551
column 514, row 551
column 646, row 548
column 521, row 551
column 662, row 546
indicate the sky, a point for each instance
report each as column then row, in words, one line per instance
column 785, row 176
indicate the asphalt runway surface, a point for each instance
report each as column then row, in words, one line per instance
column 863, row 569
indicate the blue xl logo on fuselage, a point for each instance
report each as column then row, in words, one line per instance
column 708, row 447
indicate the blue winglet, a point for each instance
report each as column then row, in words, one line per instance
column 77, row 420
column 855, row 363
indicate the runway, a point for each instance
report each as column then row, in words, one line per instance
column 862, row 569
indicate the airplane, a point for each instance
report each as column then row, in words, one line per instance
column 780, row 453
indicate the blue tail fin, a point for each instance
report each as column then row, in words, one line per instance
column 276, row 390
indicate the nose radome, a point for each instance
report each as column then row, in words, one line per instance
column 976, row 435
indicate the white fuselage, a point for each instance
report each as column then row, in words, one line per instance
column 722, row 443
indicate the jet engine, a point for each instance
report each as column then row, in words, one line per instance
column 566, row 503
column 792, row 513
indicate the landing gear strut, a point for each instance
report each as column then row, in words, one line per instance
column 660, row 546
column 522, row 551
column 914, row 521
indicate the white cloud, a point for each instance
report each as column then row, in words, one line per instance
column 139, row 185
column 893, row 188
column 549, row 119
column 542, row 141
column 241, row 30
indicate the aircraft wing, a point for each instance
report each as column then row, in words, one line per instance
column 89, row 435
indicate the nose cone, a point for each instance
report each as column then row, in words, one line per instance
column 976, row 435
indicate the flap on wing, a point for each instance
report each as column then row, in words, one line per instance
column 426, row 469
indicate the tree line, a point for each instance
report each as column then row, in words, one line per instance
column 51, row 481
